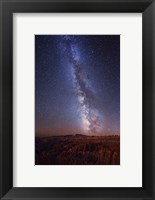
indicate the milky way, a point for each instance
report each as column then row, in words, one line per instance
column 77, row 84
column 84, row 93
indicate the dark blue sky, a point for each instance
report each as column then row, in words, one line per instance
column 77, row 84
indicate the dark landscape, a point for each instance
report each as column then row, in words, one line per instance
column 77, row 150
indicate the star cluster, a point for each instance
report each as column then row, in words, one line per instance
column 77, row 84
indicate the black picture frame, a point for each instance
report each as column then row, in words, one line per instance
column 7, row 8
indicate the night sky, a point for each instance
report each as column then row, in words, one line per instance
column 77, row 84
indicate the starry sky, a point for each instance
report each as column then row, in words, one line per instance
column 77, row 84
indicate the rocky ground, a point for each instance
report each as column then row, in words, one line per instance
column 77, row 150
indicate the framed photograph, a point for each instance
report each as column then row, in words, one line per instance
column 77, row 99
column 83, row 125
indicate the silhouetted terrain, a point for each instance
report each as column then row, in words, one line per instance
column 77, row 150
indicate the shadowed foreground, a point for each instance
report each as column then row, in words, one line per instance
column 77, row 150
